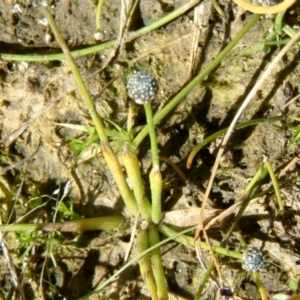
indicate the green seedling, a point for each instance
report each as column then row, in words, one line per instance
column 28, row 241
column 80, row 145
column 120, row 136
column 67, row 212
column 296, row 131
column 263, row 46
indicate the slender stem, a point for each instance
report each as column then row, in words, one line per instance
column 204, row 279
column 190, row 242
column 155, row 175
column 218, row 8
column 71, row 62
column 145, row 264
column 199, row 78
column 251, row 190
column 261, row 288
column 130, row 116
column 98, row 48
column 289, row 31
column 275, row 184
column 98, row 15
column 109, row 155
column 156, row 191
column 152, row 134
column 158, row 271
column 242, row 240
column 101, row 223
column 222, row 131
column 58, row 56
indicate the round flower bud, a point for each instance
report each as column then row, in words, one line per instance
column 252, row 260
column 141, row 87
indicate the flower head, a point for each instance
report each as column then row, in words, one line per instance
column 142, row 87
column 253, row 259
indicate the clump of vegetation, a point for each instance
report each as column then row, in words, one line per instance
column 141, row 189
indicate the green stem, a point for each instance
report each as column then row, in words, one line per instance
column 199, row 78
column 58, row 56
column 275, row 184
column 190, row 242
column 155, row 175
column 98, row 15
column 261, row 288
column 289, row 31
column 101, row 223
column 145, row 264
column 218, row 8
column 130, row 116
column 156, row 191
column 98, row 48
column 204, row 279
column 222, row 131
column 130, row 161
column 71, row 62
column 158, row 271
column 152, row 134
column 251, row 191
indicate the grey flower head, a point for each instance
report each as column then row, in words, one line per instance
column 253, row 260
column 141, row 87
